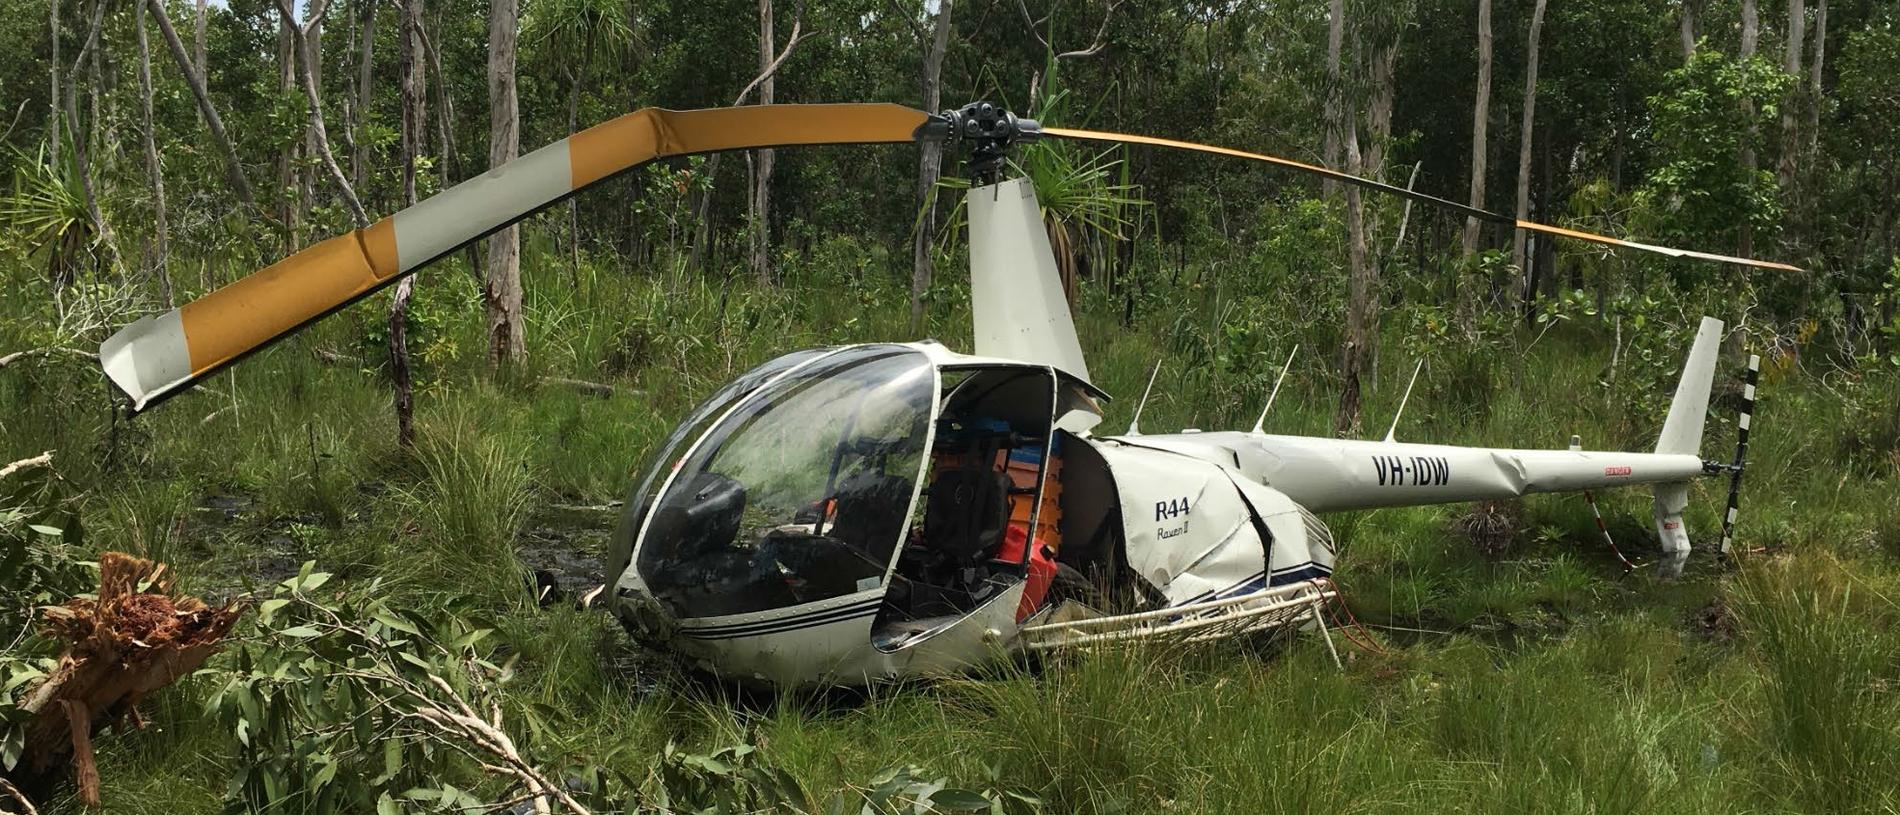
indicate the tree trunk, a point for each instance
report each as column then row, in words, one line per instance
column 1751, row 36
column 1526, row 134
column 450, row 170
column 573, row 202
column 53, row 114
column 413, row 128
column 1335, row 91
column 161, row 235
column 312, row 48
column 1687, row 26
column 233, row 170
column 1790, row 133
column 1814, row 82
column 1466, row 286
column 364, row 65
column 102, row 127
column 82, row 136
column 1361, row 304
column 929, row 166
column 199, row 56
column 306, row 59
column 759, row 213
column 1480, row 125
column 501, row 293
column 287, row 157
column 1385, row 63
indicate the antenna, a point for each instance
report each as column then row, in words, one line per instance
column 1402, row 400
column 1276, row 390
column 1134, row 425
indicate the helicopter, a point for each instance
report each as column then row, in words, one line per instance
column 860, row 513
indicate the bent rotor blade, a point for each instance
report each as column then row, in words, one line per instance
column 162, row 354
column 1462, row 209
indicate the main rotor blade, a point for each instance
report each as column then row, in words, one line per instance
column 164, row 353
column 1468, row 211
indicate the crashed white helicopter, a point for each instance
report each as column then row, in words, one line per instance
column 851, row 514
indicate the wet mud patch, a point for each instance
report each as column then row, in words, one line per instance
column 563, row 546
column 245, row 550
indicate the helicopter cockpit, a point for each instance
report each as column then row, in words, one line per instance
column 901, row 488
column 799, row 493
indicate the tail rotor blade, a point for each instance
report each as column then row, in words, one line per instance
column 160, row 355
column 1741, row 451
column 1462, row 209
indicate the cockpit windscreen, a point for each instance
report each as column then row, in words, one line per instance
column 800, row 494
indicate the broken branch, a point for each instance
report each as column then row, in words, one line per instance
column 42, row 460
column 45, row 352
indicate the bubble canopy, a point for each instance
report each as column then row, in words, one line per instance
column 799, row 491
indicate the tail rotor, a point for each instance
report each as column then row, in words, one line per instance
column 1735, row 468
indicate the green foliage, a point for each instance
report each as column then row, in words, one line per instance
column 336, row 701
column 40, row 565
column 46, row 211
column 1713, row 109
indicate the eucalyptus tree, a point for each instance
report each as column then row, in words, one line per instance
column 1526, row 131
column 929, row 163
column 501, row 291
column 1480, row 124
column 155, row 169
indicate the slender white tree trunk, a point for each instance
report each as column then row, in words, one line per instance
column 82, row 135
column 312, row 46
column 1335, row 91
column 502, row 291
column 759, row 214
column 53, row 114
column 287, row 157
column 161, row 227
column 306, row 59
column 199, row 57
column 1751, row 37
column 365, row 66
column 1686, row 26
column 1814, row 82
column 1526, row 132
column 1791, row 62
column 413, row 129
column 929, row 165
column 1480, row 126
column 1361, row 317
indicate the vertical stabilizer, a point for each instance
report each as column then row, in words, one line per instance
column 1682, row 431
column 1682, row 435
column 1016, row 298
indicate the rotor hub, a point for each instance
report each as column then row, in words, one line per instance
column 988, row 131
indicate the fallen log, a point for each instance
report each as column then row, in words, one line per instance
column 137, row 637
column 581, row 385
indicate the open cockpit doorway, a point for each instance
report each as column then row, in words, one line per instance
column 988, row 484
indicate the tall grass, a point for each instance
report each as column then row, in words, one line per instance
column 468, row 508
column 1827, row 642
